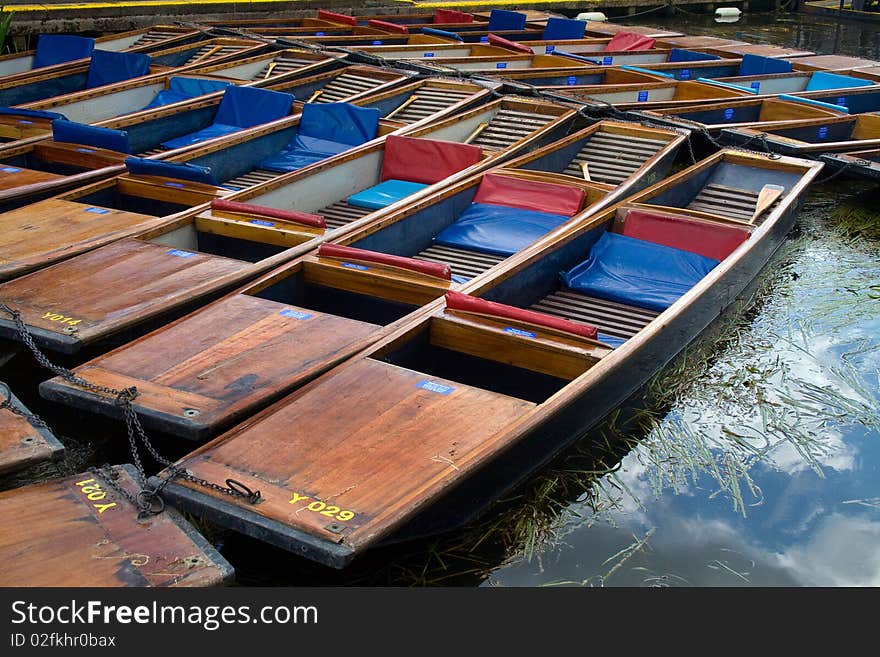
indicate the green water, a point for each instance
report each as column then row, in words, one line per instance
column 753, row 460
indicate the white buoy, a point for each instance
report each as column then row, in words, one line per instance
column 592, row 16
column 728, row 12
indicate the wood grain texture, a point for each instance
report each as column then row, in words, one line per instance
column 21, row 443
column 225, row 360
column 51, row 534
column 366, row 438
column 116, row 286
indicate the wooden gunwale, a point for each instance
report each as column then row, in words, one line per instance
column 23, row 443
column 795, row 147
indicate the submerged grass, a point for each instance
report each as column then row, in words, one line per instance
column 859, row 217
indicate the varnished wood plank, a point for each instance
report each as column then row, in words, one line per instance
column 23, row 442
column 222, row 362
column 53, row 534
column 390, row 451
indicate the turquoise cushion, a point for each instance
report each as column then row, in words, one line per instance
column 820, row 81
column 384, row 194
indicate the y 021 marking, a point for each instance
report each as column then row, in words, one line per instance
column 95, row 494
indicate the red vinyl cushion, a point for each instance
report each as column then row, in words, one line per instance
column 629, row 41
column 452, row 16
column 435, row 269
column 530, row 194
column 333, row 17
column 285, row 215
column 388, row 27
column 501, row 42
column 469, row 304
column 426, row 160
column 708, row 239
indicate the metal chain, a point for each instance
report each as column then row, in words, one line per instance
column 33, row 418
column 147, row 501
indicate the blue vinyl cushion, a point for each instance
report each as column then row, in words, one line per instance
column 325, row 130
column 185, row 89
column 241, row 107
column 564, row 28
column 442, row 33
column 637, row 273
column 384, row 194
column 139, row 166
column 71, row 132
column 758, row 65
column 498, row 229
column 59, row 48
column 501, row 19
column 821, row 80
column 108, row 67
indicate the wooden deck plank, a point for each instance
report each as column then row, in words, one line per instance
column 48, row 231
column 23, row 444
column 111, row 287
column 224, row 360
column 369, row 439
column 52, row 534
column 12, row 177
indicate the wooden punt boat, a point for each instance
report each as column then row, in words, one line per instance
column 813, row 137
column 53, row 50
column 33, row 168
column 602, row 28
column 452, row 410
column 701, row 42
column 105, row 68
column 188, row 258
column 79, row 531
column 47, row 231
column 325, row 18
column 868, row 72
column 865, row 164
column 24, row 441
column 761, row 114
column 191, row 389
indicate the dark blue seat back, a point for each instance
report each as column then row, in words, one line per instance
column 245, row 107
column 758, row 65
column 564, row 28
column 683, row 55
column 501, row 19
column 108, row 67
column 339, row 122
column 184, row 89
column 59, row 48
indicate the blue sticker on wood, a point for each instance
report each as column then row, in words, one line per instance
column 484, row 39
column 97, row 210
column 427, row 54
column 841, row 101
column 433, row 386
column 501, row 65
column 25, row 122
column 549, row 49
column 320, row 34
column 261, row 222
column 295, row 314
column 756, row 86
column 9, row 169
column 571, row 80
column 520, row 332
column 377, row 43
column 180, row 253
column 607, row 60
column 728, row 113
column 174, row 184
column 643, row 96
column 823, row 132
column 352, row 265
column 685, row 74
column 84, row 150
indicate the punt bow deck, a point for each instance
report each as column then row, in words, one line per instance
column 198, row 254
column 463, row 403
column 865, row 164
column 306, row 316
column 79, row 531
column 24, row 439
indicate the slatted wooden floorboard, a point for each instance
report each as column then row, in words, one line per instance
column 430, row 100
column 508, row 127
column 463, row 262
column 615, row 319
column 341, row 213
column 251, row 178
column 284, row 64
column 211, row 52
column 729, row 202
column 613, row 158
column 153, row 36
column 345, row 86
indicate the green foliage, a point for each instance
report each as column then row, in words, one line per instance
column 5, row 20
